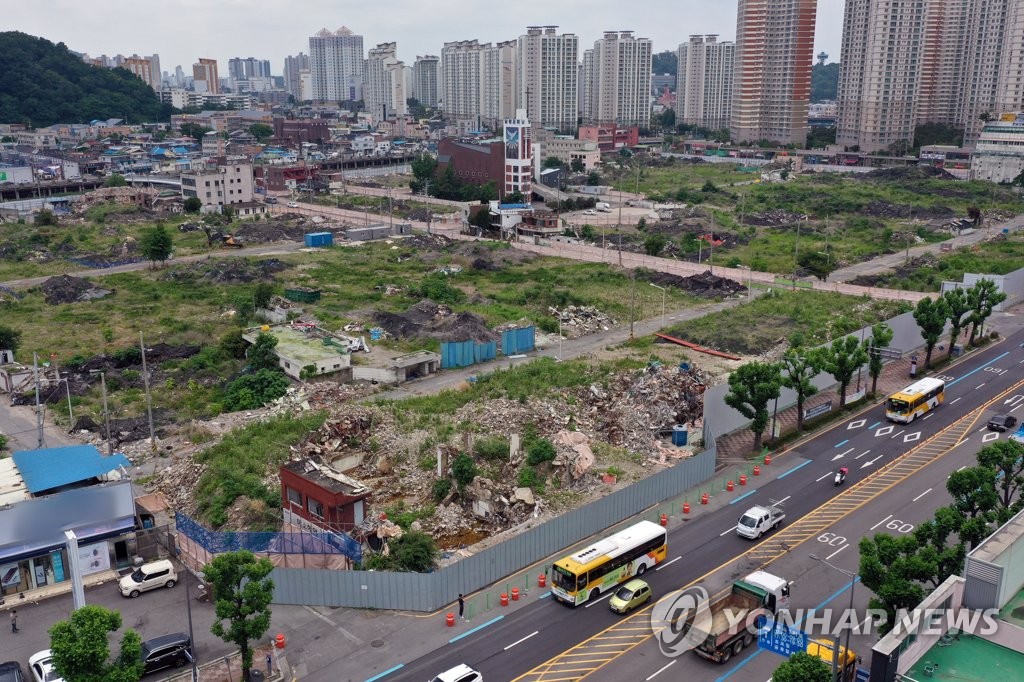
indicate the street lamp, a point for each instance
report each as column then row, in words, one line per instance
column 662, row 302
column 853, row 582
column 71, row 416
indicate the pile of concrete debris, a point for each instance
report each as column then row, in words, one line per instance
column 429, row 320
column 580, row 320
column 68, row 289
column 775, row 217
column 138, row 196
column 227, row 270
column 705, row 284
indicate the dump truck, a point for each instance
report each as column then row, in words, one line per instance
column 731, row 621
column 826, row 651
column 759, row 519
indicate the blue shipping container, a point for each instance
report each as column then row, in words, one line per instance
column 519, row 340
column 315, row 239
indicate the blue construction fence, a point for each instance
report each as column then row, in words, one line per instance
column 218, row 542
column 466, row 353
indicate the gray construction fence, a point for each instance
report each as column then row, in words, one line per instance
column 431, row 591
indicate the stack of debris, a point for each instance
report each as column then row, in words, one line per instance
column 68, row 289
column 775, row 217
column 227, row 270
column 138, row 196
column 705, row 284
column 430, row 320
column 580, row 320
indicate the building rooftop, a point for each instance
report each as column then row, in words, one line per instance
column 51, row 468
column 12, row 485
column 967, row 659
column 327, row 478
column 295, row 345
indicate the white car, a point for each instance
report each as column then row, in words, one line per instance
column 292, row 204
column 590, row 211
column 41, row 665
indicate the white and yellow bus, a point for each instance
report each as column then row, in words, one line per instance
column 596, row 569
column 916, row 400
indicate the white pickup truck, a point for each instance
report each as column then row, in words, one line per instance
column 759, row 519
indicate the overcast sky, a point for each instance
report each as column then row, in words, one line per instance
column 181, row 31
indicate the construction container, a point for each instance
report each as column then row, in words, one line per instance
column 318, row 239
column 302, row 294
column 680, row 435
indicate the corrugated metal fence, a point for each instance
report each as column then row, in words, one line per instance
column 431, row 591
column 466, row 353
column 519, row 340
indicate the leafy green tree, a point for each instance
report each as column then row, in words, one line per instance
column 193, row 205
column 194, row 130
column 799, row 367
column 577, row 166
column 423, row 167
column 958, row 304
column 551, row 162
column 463, row 470
column 654, row 244
column 751, row 387
column 44, row 217
column 514, row 198
column 251, row 391
column 81, row 652
column 664, row 62
column 242, row 591
column 881, row 337
column 115, row 180
column 973, row 490
column 593, row 178
column 262, row 354
column 261, row 294
column 233, row 344
column 261, row 131
column 802, row 667
column 889, row 568
column 824, row 81
column 842, row 359
column 10, row 338
column 414, row 551
column 818, row 263
column 155, row 244
column 1006, row 459
column 983, row 297
column 931, row 317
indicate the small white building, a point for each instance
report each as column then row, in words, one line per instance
column 999, row 156
column 219, row 187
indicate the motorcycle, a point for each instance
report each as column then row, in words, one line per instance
column 841, row 476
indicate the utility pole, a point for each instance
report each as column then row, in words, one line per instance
column 40, row 440
column 106, row 412
column 632, row 304
column 149, row 398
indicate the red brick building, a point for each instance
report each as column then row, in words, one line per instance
column 295, row 131
column 610, row 138
column 322, row 497
column 474, row 163
column 283, row 178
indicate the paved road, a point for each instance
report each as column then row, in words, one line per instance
column 864, row 444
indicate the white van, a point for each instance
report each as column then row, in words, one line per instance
column 460, row 673
column 148, row 577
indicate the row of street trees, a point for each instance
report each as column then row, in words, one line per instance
column 242, row 591
column 961, row 308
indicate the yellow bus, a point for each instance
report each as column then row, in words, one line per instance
column 916, row 400
column 596, row 569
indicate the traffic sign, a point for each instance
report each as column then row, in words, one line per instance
column 783, row 639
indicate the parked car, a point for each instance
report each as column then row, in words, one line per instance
column 460, row 673
column 10, row 671
column 292, row 204
column 148, row 577
column 166, row 651
column 270, row 200
column 1002, row 422
column 590, row 211
column 631, row 595
column 41, row 667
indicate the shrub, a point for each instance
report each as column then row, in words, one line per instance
column 539, row 451
column 255, row 390
column 464, row 469
column 491, row 448
column 441, row 488
column 527, row 477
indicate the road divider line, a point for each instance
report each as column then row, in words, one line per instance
column 862, row 454
column 979, row 386
column 881, row 522
column 520, row 641
column 492, row 621
column 829, row 557
column 593, row 602
column 842, row 443
column 823, row 477
column 921, row 495
column 660, row 670
column 798, row 466
column 974, row 371
column 386, row 673
column 743, row 495
column 669, row 563
column 955, row 401
column 731, row 530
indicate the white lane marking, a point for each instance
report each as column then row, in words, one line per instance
column 829, row 557
column 598, row 600
column 884, row 431
column 1014, row 409
column 842, row 454
column 663, row 669
column 911, row 437
column 668, row 563
column 784, row 499
column 868, row 463
column 921, row 495
column 731, row 530
column 857, row 424
column 881, row 522
column 929, row 416
column 862, row 454
column 521, row 640
column 989, row 436
column 824, row 477
column 960, row 469
column 979, row 386
column 955, row 401
column 898, row 433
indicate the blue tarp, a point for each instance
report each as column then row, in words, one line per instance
column 55, row 467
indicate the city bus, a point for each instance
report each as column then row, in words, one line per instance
column 596, row 569
column 916, row 400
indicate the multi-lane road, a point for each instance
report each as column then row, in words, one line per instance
column 897, row 479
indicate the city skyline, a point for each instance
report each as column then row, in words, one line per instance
column 273, row 31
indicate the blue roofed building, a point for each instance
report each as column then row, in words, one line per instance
column 53, row 469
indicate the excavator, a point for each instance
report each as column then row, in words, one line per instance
column 217, row 237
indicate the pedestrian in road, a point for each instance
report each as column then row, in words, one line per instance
column 462, row 607
column 14, row 620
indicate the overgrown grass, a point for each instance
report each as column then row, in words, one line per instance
column 758, row 325
column 991, row 258
column 239, row 464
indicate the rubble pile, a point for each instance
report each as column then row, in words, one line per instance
column 227, row 270
column 429, row 242
column 704, row 284
column 775, row 217
column 580, row 320
column 905, row 173
column 139, row 196
column 258, row 231
column 68, row 289
column 429, row 320
column 887, row 209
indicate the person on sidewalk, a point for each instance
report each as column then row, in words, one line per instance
column 462, row 607
column 14, row 620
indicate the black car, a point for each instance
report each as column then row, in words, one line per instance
column 166, row 651
column 1002, row 422
column 10, row 671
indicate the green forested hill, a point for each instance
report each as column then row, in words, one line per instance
column 42, row 83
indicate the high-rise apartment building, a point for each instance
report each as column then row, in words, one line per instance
column 146, row 68
column 879, row 74
column 617, row 80
column 704, row 84
column 249, row 67
column 772, row 75
column 460, row 79
column 384, row 91
column 549, row 77
column 336, row 65
column 204, row 76
column 498, row 82
column 294, row 65
column 426, row 80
